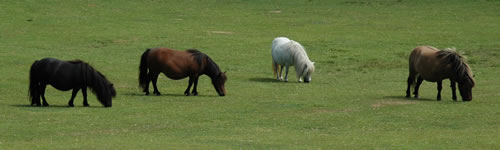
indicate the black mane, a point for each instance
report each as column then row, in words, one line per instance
column 98, row 83
column 458, row 64
column 211, row 69
column 197, row 55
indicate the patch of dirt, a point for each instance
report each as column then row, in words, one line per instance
column 392, row 103
column 332, row 111
column 221, row 32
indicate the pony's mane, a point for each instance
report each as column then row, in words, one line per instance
column 300, row 58
column 459, row 66
column 198, row 56
column 212, row 69
column 98, row 84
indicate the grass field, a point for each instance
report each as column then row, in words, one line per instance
column 355, row 100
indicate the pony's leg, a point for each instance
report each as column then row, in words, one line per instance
column 439, row 88
column 453, row 90
column 42, row 94
column 286, row 73
column 417, row 86
column 149, row 78
column 191, row 80
column 73, row 95
column 280, row 75
column 36, row 97
column 195, row 91
column 411, row 79
column 146, row 89
column 154, row 78
column 84, row 93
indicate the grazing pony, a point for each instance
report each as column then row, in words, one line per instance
column 67, row 75
column 178, row 65
column 430, row 64
column 287, row 53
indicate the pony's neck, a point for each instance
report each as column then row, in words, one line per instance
column 211, row 69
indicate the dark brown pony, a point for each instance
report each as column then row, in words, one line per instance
column 430, row 64
column 178, row 65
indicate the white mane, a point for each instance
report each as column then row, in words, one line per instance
column 287, row 52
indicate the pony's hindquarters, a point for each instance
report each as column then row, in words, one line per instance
column 34, row 85
column 276, row 53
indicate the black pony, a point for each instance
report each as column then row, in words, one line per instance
column 67, row 75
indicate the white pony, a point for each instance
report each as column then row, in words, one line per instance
column 287, row 53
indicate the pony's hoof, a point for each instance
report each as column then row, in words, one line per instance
column 416, row 96
column 71, row 105
column 147, row 93
column 195, row 93
column 86, row 105
column 45, row 104
column 157, row 93
column 187, row 93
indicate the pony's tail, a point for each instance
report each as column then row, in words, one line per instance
column 33, row 89
column 143, row 69
column 274, row 69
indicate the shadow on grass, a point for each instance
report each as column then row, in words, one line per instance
column 272, row 80
column 405, row 98
column 56, row 106
column 422, row 99
column 168, row 94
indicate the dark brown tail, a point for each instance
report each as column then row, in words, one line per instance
column 33, row 91
column 143, row 69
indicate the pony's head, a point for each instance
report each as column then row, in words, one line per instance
column 218, row 83
column 466, row 83
column 307, row 71
column 462, row 72
column 100, row 86
column 213, row 71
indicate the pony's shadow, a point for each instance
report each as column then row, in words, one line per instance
column 52, row 106
column 167, row 94
column 270, row 80
column 406, row 98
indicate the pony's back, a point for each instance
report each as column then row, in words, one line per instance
column 278, row 41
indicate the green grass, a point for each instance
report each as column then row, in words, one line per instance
column 355, row 99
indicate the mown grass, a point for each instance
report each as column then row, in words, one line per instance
column 355, row 99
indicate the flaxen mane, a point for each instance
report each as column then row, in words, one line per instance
column 450, row 56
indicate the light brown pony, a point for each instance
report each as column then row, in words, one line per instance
column 430, row 64
column 178, row 65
